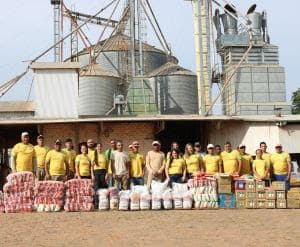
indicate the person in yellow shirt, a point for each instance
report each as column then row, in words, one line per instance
column 265, row 155
column 194, row 162
column 212, row 161
column 174, row 145
column 56, row 163
column 261, row 169
column 137, row 165
column 100, row 166
column 71, row 155
column 246, row 160
column 41, row 151
column 91, row 148
column 281, row 165
column 175, row 168
column 231, row 159
column 23, row 157
column 83, row 165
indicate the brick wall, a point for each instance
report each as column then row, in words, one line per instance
column 127, row 132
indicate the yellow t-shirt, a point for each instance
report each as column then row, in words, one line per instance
column 246, row 164
column 230, row 161
column 260, row 167
column 136, row 164
column 267, row 157
column 212, row 163
column 84, row 163
column 23, row 153
column 193, row 163
column 57, row 162
column 91, row 154
column 71, row 155
column 102, row 162
column 41, row 153
column 176, row 167
column 280, row 162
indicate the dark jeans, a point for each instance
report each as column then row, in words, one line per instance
column 136, row 181
column 189, row 175
column 175, row 178
column 100, row 183
column 283, row 179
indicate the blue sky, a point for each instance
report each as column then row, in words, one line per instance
column 27, row 30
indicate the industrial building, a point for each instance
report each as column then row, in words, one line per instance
column 124, row 88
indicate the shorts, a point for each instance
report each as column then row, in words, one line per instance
column 121, row 182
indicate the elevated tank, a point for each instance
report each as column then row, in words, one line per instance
column 230, row 24
column 256, row 20
column 96, row 90
column 175, row 89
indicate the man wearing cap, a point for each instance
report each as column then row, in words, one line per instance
column 137, row 165
column 247, row 160
column 231, row 159
column 71, row 155
column 197, row 147
column 281, row 165
column 155, row 163
column 212, row 162
column 108, row 154
column 41, row 151
column 23, row 157
column 57, row 166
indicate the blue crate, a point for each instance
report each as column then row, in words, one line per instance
column 227, row 200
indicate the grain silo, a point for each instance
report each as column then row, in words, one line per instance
column 96, row 90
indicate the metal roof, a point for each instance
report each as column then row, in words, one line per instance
column 48, row 65
column 16, row 106
column 96, row 70
column 169, row 69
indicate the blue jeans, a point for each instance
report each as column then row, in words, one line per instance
column 282, row 178
column 110, row 181
column 136, row 181
column 175, row 178
column 189, row 175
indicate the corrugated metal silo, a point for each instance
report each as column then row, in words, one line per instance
column 96, row 90
column 175, row 89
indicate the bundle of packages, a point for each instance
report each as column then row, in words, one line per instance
column 48, row 196
column 167, row 199
column 124, row 200
column 145, row 200
column 79, row 195
column 204, row 191
column 178, row 191
column 157, row 189
column 187, row 200
column 103, row 199
column 18, row 192
column 2, row 209
column 135, row 197
column 113, row 198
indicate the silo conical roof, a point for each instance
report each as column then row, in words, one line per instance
column 169, row 69
column 95, row 70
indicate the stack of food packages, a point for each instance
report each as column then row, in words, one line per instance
column 124, row 196
column 48, row 196
column 227, row 199
column 113, row 198
column 293, row 198
column 158, row 189
column 103, row 199
column 2, row 209
column 204, row 191
column 145, row 199
column 18, row 192
column 280, row 188
column 140, row 194
column 79, row 195
column 182, row 197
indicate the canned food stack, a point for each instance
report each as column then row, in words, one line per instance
column 18, row 192
column 79, row 195
column 48, row 196
column 293, row 198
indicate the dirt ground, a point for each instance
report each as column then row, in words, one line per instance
column 153, row 228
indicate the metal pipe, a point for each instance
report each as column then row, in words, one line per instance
column 141, row 64
column 132, row 36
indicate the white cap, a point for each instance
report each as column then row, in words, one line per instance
column 156, row 143
column 242, row 145
column 210, row 146
column 24, row 134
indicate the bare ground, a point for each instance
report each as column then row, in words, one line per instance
column 153, row 228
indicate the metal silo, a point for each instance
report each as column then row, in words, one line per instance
column 96, row 90
column 175, row 89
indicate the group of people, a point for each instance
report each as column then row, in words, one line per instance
column 120, row 168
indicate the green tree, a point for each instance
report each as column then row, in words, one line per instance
column 296, row 102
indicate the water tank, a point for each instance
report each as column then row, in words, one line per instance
column 175, row 89
column 230, row 24
column 96, row 90
column 256, row 20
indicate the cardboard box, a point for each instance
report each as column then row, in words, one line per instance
column 251, row 203
column 241, row 204
column 227, row 200
column 226, row 189
column 280, row 194
column 270, row 195
column 261, row 195
column 240, row 194
column 278, row 185
column 224, row 179
column 240, row 185
column 261, row 204
column 250, row 185
column 281, row 203
column 251, row 195
column 270, row 204
column 293, row 193
column 260, row 185
column 293, row 203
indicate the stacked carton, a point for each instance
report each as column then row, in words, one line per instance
column 227, row 199
column 293, row 198
column 280, row 189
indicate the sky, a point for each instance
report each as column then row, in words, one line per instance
column 27, row 30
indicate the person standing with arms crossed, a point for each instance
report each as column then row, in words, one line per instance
column 41, row 151
column 232, row 161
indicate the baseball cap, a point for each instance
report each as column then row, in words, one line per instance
column 40, row 137
column 155, row 143
column 58, row 141
column 278, row 145
column 24, row 134
column 210, row 146
column 242, row 146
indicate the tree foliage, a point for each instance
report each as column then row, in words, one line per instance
column 296, row 102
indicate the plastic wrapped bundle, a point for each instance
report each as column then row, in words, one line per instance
column 135, row 200
column 158, row 189
column 124, row 200
column 113, row 198
column 145, row 200
column 156, row 201
column 167, row 200
column 18, row 192
column 187, row 200
column 2, row 209
column 103, row 199
column 178, row 192
column 79, row 195
column 48, row 196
